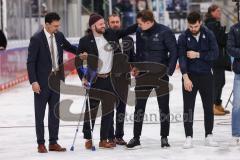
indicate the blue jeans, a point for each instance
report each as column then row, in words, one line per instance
column 236, row 107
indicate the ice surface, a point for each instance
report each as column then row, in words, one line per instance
column 18, row 140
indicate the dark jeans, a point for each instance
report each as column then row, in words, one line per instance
column 104, row 87
column 40, row 101
column 218, row 84
column 203, row 84
column 142, row 94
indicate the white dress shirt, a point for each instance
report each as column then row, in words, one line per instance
column 48, row 36
column 105, row 53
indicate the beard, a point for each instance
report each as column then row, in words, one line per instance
column 100, row 30
column 116, row 28
column 196, row 33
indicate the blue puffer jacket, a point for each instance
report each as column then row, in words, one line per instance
column 233, row 46
column 206, row 46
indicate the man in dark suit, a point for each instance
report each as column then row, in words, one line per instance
column 45, row 56
column 101, row 45
column 127, row 48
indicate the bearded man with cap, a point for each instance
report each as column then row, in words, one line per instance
column 99, row 48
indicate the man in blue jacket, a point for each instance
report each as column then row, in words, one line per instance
column 197, row 51
column 233, row 48
column 155, row 46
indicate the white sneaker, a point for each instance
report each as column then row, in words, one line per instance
column 209, row 141
column 188, row 143
column 235, row 141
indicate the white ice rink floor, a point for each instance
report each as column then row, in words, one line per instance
column 18, row 140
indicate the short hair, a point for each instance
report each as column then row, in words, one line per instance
column 211, row 9
column 146, row 15
column 114, row 15
column 52, row 16
column 193, row 17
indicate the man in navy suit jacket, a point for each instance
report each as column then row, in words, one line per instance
column 45, row 56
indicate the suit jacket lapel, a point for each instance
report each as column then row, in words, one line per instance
column 45, row 42
column 93, row 44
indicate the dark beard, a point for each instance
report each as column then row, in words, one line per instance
column 99, row 31
column 116, row 28
column 195, row 34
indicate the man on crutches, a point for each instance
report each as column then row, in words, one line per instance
column 99, row 48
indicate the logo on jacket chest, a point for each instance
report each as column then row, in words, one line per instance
column 153, row 38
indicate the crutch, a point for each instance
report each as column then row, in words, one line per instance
column 229, row 99
column 79, row 120
column 90, row 120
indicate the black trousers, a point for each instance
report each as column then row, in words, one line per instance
column 47, row 96
column 218, row 84
column 203, row 84
column 120, row 83
column 120, row 117
column 105, row 89
column 142, row 94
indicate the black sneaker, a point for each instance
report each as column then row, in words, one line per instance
column 134, row 144
column 164, row 142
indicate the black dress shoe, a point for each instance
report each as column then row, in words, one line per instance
column 164, row 142
column 120, row 141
